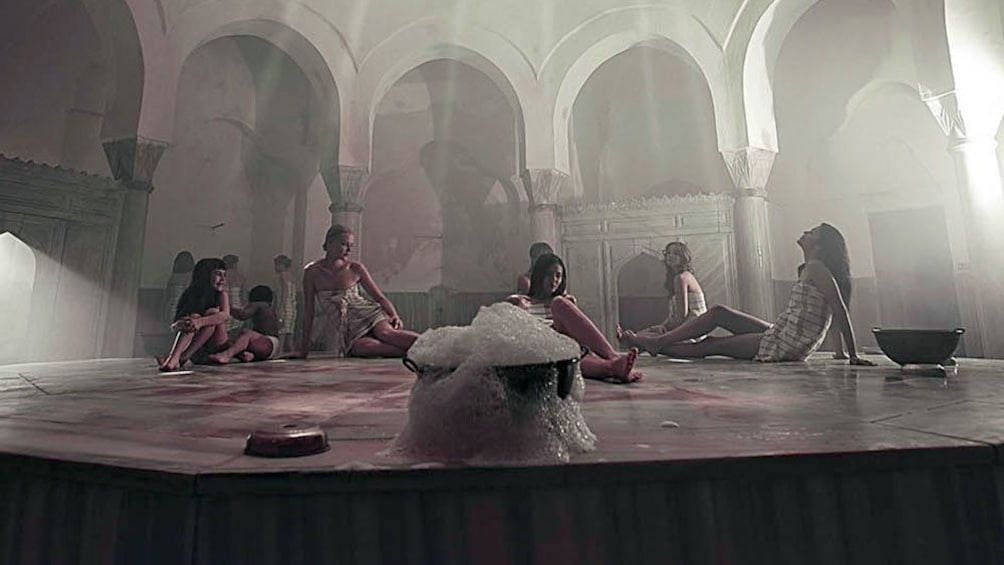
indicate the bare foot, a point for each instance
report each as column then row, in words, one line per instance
column 165, row 365
column 246, row 356
column 622, row 336
column 623, row 366
column 219, row 358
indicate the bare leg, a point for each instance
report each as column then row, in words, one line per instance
column 571, row 321
column 214, row 337
column 173, row 360
column 259, row 348
column 367, row 346
column 239, row 344
column 742, row 346
column 401, row 339
column 603, row 361
column 717, row 317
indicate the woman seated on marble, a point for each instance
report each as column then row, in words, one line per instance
column 686, row 298
column 536, row 250
column 201, row 317
column 816, row 298
column 546, row 299
column 355, row 325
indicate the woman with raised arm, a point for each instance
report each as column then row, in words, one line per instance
column 355, row 325
column 816, row 299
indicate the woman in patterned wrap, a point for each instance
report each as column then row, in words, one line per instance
column 355, row 325
column 816, row 299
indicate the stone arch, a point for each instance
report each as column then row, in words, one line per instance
column 579, row 54
column 312, row 42
column 428, row 40
column 126, row 29
column 763, row 47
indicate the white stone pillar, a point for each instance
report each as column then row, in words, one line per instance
column 132, row 161
column 543, row 187
column 749, row 168
column 982, row 198
column 345, row 185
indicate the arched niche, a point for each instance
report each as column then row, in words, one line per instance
column 53, row 53
column 441, row 206
column 656, row 139
column 641, row 292
column 17, row 282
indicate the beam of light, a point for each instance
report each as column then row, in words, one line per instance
column 52, row 308
column 17, row 280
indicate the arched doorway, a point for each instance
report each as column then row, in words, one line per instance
column 17, row 281
column 641, row 292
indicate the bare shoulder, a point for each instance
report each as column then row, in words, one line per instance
column 816, row 268
column 356, row 267
column 311, row 267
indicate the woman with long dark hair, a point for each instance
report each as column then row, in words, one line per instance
column 547, row 300
column 816, row 298
column 201, row 317
column 686, row 297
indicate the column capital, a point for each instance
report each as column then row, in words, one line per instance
column 749, row 168
column 345, row 184
column 945, row 109
column 344, row 207
column 542, row 185
column 133, row 160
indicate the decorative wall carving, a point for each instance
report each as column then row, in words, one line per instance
column 599, row 239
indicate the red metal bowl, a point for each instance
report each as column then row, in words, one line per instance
column 289, row 440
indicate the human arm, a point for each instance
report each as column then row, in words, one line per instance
column 219, row 317
column 371, row 288
column 820, row 277
column 519, row 300
column 245, row 312
column 523, row 284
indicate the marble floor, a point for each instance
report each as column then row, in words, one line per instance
column 124, row 413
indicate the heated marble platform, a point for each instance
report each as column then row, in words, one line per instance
column 714, row 461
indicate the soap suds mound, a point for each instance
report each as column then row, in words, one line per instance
column 460, row 410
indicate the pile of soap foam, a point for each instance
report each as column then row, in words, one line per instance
column 460, row 410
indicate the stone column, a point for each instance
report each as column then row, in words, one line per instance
column 345, row 185
column 542, row 187
column 749, row 168
column 133, row 161
column 980, row 191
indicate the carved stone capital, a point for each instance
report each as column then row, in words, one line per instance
column 749, row 168
column 345, row 184
column 945, row 108
column 133, row 160
column 344, row 207
column 542, row 185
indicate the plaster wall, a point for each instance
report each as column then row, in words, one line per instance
column 54, row 85
column 201, row 182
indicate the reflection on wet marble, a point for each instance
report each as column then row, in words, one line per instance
column 124, row 411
